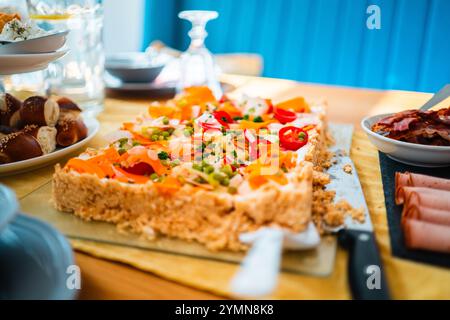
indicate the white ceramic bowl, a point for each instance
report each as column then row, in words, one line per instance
column 406, row 152
column 45, row 44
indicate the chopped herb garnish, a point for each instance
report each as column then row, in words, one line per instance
column 163, row 155
column 122, row 142
column 301, row 136
column 258, row 119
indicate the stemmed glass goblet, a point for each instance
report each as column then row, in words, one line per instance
column 197, row 63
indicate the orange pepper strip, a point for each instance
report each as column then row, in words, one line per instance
column 229, row 108
column 309, row 127
column 83, row 166
column 141, row 139
column 124, row 176
column 105, row 160
column 168, row 186
column 245, row 124
column 129, row 126
column 296, row 104
column 162, row 110
column 288, row 159
column 198, row 95
column 257, row 181
column 279, row 178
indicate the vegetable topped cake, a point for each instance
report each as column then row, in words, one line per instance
column 199, row 169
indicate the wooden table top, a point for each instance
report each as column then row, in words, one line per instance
column 102, row 279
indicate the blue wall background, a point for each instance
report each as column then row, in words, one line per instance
column 323, row 41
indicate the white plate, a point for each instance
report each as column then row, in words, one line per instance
column 21, row 63
column 44, row 44
column 38, row 162
column 405, row 152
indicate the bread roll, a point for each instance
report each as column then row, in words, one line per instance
column 40, row 111
column 18, row 146
column 68, row 109
column 46, row 136
column 9, row 110
column 65, row 104
column 70, row 131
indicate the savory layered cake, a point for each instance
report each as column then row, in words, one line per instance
column 199, row 169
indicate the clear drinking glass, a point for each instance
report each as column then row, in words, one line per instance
column 197, row 63
column 79, row 74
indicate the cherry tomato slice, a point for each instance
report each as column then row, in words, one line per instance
column 292, row 138
column 284, row 116
column 223, row 117
column 270, row 104
column 140, row 168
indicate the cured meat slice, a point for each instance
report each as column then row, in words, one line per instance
column 426, row 197
column 409, row 179
column 426, row 236
column 426, row 214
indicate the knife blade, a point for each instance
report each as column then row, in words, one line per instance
column 365, row 271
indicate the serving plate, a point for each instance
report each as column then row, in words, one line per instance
column 44, row 44
column 21, row 63
column 405, row 152
column 34, row 163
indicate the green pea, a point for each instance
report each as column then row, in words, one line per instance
column 154, row 176
column 165, row 121
column 155, row 137
column 225, row 182
column 165, row 134
column 208, row 169
column 218, row 176
column 227, row 170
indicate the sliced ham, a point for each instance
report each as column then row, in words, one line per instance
column 418, row 212
column 425, row 197
column 408, row 179
column 426, row 236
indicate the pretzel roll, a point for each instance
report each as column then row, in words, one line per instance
column 18, row 146
column 46, row 136
column 65, row 104
column 40, row 111
column 9, row 110
column 70, row 131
